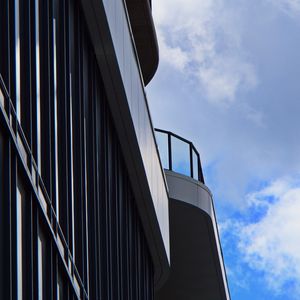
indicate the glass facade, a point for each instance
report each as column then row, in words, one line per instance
column 68, row 213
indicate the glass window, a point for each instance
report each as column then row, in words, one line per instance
column 162, row 143
column 195, row 166
column 1, row 98
column 180, row 157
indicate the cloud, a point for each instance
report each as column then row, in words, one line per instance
column 271, row 244
column 202, row 40
column 224, row 76
column 290, row 7
column 241, row 54
column 172, row 55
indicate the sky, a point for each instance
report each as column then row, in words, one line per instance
column 229, row 80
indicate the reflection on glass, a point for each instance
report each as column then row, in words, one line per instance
column 162, row 143
column 59, row 287
column 72, row 168
column 37, row 70
column 195, row 166
column 1, row 98
column 55, row 112
column 20, row 196
column 180, row 156
column 18, row 60
column 41, row 265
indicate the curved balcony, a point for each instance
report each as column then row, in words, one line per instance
column 197, row 268
column 178, row 154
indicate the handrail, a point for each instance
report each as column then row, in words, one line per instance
column 194, row 167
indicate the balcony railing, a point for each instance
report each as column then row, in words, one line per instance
column 178, row 154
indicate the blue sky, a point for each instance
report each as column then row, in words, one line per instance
column 229, row 80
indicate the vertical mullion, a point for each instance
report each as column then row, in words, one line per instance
column 55, row 112
column 46, row 96
column 69, row 53
column 200, row 174
column 17, row 62
column 25, row 69
column 170, row 151
column 37, row 84
column 191, row 160
column 13, row 222
column 11, row 195
column 29, row 241
column 63, row 122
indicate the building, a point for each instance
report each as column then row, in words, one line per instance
column 84, row 210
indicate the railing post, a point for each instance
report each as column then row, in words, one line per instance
column 170, row 151
column 191, row 160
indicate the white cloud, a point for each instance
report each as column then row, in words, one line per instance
column 272, row 244
column 202, row 39
column 224, row 77
column 174, row 56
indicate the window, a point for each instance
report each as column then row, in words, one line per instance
column 195, row 165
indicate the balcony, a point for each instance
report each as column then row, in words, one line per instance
column 197, row 267
column 179, row 155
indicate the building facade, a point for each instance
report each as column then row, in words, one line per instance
column 79, row 204
column 84, row 200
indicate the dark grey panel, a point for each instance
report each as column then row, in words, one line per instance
column 195, row 273
column 197, row 268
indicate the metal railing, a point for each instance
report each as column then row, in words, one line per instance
column 178, row 154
